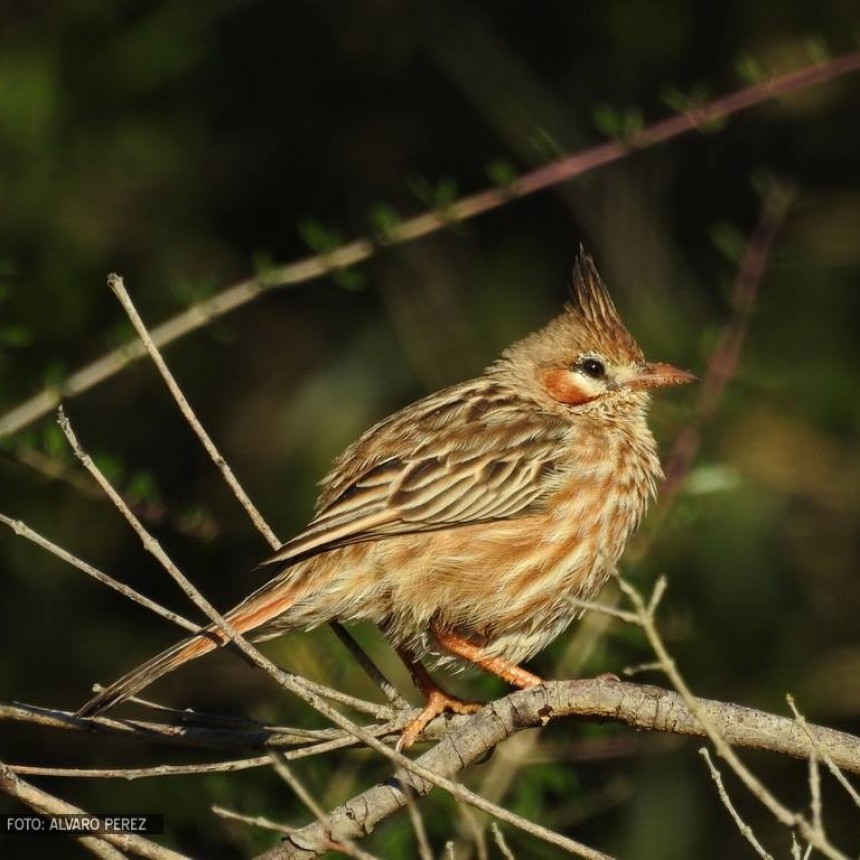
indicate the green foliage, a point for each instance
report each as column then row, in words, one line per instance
column 728, row 240
column 685, row 101
column 384, row 219
column 439, row 196
column 142, row 487
column 748, row 70
column 324, row 242
column 617, row 123
column 29, row 97
column 168, row 141
column 545, row 144
column 502, row 173
column 818, row 50
column 15, row 336
column 54, row 442
column 318, row 238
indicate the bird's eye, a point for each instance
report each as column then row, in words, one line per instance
column 592, row 367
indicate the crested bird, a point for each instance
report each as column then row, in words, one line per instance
column 468, row 524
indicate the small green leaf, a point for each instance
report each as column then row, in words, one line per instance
column 633, row 121
column 623, row 125
column 545, row 143
column 110, row 465
column 439, row 196
column 190, row 292
column 55, row 374
column 383, row 219
column 818, row 50
column 501, row 172
column 674, row 99
column 317, row 237
column 728, row 240
column 607, row 120
column 748, row 70
column 763, row 181
column 143, row 488
column 349, row 279
column 200, row 523
column 54, row 441
column 15, row 336
column 682, row 102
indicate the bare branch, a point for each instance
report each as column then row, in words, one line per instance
column 719, row 739
column 823, row 754
column 562, row 170
column 640, row 706
column 302, row 688
column 346, row 846
column 22, row 529
column 724, row 358
column 636, row 705
column 254, row 820
column 745, row 829
column 41, row 801
column 116, row 284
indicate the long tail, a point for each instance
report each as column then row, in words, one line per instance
column 273, row 599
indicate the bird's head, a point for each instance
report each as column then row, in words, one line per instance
column 585, row 358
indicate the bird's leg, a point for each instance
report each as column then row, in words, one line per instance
column 437, row 700
column 463, row 647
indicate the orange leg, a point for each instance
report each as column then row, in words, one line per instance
column 437, row 700
column 515, row 675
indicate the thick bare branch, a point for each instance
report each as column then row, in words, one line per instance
column 641, row 706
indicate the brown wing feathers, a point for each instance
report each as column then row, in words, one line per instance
column 452, row 482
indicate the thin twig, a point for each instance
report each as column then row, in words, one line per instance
column 499, row 838
column 564, row 169
column 141, row 772
column 475, row 829
column 640, row 706
column 823, row 754
column 784, row 815
column 116, row 284
column 422, row 842
column 254, row 820
column 294, row 683
column 370, row 668
column 22, row 529
column 344, row 846
column 723, row 361
column 815, row 806
column 743, row 827
column 41, row 801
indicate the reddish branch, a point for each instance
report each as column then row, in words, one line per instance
column 354, row 252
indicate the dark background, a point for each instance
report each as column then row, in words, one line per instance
column 188, row 146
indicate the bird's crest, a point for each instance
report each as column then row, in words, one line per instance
column 591, row 299
column 592, row 306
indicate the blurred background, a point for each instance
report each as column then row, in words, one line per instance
column 189, row 146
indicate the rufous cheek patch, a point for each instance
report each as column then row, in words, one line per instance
column 561, row 386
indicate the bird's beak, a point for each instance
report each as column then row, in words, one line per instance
column 656, row 375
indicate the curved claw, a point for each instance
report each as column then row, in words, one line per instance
column 438, row 703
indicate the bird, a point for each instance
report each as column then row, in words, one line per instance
column 471, row 525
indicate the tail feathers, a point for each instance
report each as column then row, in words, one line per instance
column 265, row 604
column 148, row 672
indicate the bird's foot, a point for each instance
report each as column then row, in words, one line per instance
column 438, row 702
